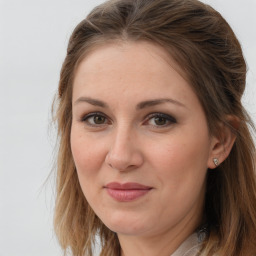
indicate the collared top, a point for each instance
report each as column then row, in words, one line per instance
column 192, row 245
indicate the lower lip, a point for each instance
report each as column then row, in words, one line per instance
column 125, row 195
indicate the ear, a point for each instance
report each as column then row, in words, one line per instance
column 222, row 143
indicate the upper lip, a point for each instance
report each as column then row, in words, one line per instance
column 127, row 186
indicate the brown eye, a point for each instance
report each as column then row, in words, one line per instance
column 95, row 119
column 160, row 121
column 99, row 119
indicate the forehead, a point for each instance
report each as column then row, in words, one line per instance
column 129, row 52
column 132, row 52
column 131, row 67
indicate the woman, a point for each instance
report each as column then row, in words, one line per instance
column 155, row 152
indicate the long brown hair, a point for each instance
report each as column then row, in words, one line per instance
column 203, row 44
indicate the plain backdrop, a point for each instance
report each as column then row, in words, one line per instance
column 33, row 41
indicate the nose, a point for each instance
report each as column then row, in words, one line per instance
column 124, row 153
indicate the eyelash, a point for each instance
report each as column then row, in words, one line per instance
column 93, row 115
column 167, row 118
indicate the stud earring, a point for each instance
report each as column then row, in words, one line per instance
column 216, row 161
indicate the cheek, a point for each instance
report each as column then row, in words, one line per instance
column 181, row 171
column 88, row 155
column 181, row 161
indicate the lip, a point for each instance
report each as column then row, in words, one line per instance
column 126, row 192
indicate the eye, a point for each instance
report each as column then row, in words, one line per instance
column 95, row 119
column 160, row 120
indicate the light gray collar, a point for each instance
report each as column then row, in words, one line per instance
column 190, row 247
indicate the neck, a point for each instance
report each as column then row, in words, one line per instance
column 164, row 244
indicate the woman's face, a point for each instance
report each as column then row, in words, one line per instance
column 139, row 140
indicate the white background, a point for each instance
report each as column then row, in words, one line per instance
column 33, row 40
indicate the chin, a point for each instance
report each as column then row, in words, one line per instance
column 124, row 223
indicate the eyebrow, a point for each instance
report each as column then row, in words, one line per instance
column 154, row 102
column 92, row 101
column 141, row 105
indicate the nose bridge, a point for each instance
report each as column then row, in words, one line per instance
column 123, row 152
column 121, row 146
column 123, row 134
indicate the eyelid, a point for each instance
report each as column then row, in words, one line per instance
column 169, row 118
column 159, row 114
column 85, row 117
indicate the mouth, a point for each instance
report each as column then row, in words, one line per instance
column 126, row 192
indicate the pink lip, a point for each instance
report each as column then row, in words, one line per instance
column 126, row 192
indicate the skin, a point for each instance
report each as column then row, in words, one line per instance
column 125, row 143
